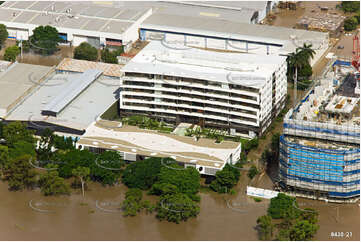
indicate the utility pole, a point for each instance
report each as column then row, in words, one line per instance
column 21, row 49
column 295, row 89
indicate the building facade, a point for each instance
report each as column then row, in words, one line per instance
column 240, row 93
column 320, row 146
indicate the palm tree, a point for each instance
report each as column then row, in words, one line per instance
column 306, row 51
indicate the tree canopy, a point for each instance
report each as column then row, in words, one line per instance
column 108, row 56
column 142, row 174
column 3, row 34
column 225, row 179
column 17, row 131
column 185, row 180
column 350, row 6
column 45, row 40
column 281, row 206
column 350, row 23
column 51, row 184
column 11, row 53
column 176, row 208
column 86, row 52
column 19, row 173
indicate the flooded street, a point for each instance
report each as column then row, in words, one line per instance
column 29, row 215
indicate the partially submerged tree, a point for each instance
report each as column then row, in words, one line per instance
column 19, row 173
column 51, row 184
column 82, row 173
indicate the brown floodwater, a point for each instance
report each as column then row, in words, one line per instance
column 29, row 215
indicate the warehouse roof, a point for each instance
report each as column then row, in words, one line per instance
column 15, row 83
column 75, row 15
column 73, row 89
column 230, row 30
column 236, row 5
column 245, row 69
column 79, row 113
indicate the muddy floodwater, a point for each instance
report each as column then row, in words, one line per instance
column 30, row 216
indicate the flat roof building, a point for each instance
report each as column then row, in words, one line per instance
column 78, row 108
column 16, row 84
column 76, row 21
column 229, row 35
column 135, row 144
column 238, row 92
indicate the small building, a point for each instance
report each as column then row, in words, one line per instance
column 136, row 144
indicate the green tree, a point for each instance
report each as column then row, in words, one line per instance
column 350, row 23
column 132, row 203
column 72, row 159
column 51, row 184
column 282, row 206
column 108, row 56
column 283, row 235
column 176, row 208
column 82, row 173
column 11, row 53
column 3, row 34
column 265, row 227
column 22, row 148
column 252, row 172
column 309, row 214
column 225, row 179
column 303, row 230
column 350, row 6
column 162, row 189
column 20, row 174
column 17, row 131
column 142, row 174
column 86, row 52
column 63, row 143
column 45, row 40
column 306, row 52
column 186, row 180
column 107, row 168
column 4, row 157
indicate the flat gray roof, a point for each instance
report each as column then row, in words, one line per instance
column 77, row 85
column 80, row 112
column 229, row 29
column 86, row 15
column 242, row 68
column 254, row 5
column 15, row 82
column 203, row 12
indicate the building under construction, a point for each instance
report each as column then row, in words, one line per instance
column 319, row 148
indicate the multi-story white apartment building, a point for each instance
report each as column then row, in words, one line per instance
column 237, row 92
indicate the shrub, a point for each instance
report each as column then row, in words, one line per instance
column 86, row 52
column 252, row 172
column 11, row 53
column 350, row 23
